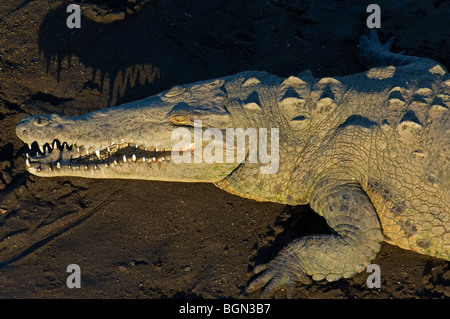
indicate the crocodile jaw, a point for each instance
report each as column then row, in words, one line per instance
column 156, row 168
column 132, row 141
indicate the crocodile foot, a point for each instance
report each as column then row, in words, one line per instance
column 353, row 243
column 283, row 272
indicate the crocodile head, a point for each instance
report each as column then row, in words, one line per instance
column 138, row 140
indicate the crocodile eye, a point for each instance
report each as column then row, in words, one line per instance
column 41, row 121
column 179, row 119
column 175, row 91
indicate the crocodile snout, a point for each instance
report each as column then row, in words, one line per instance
column 34, row 128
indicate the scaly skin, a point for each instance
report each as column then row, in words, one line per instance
column 369, row 152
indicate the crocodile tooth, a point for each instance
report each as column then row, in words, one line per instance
column 41, row 148
column 98, row 154
column 28, row 155
column 28, row 163
column 143, row 159
column 124, row 159
column 154, row 159
column 134, row 158
column 55, row 145
column 115, row 162
column 58, row 165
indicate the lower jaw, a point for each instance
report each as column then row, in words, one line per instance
column 124, row 165
column 154, row 171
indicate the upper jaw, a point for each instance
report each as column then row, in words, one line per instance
column 137, row 131
column 90, row 136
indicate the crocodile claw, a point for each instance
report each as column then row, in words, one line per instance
column 282, row 273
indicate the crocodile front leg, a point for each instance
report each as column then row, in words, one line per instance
column 356, row 238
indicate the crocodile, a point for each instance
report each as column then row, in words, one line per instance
column 368, row 152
